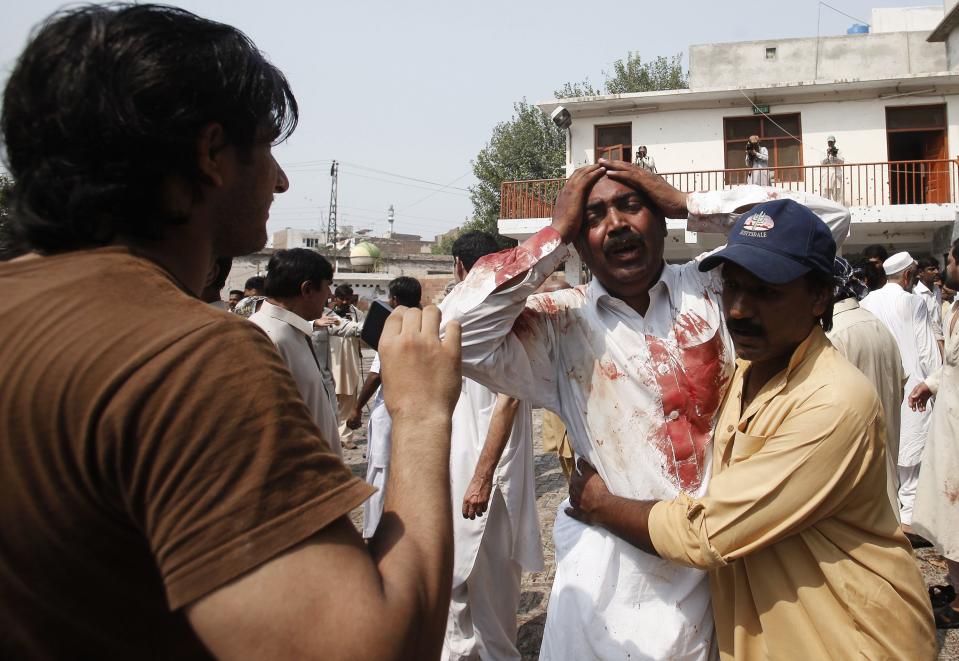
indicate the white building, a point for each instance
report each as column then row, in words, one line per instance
column 890, row 97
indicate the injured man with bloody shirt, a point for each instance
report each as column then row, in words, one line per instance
column 636, row 364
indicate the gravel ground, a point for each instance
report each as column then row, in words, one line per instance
column 550, row 491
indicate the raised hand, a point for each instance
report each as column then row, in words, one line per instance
column 420, row 372
column 569, row 208
column 670, row 200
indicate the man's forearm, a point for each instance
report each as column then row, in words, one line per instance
column 411, row 545
column 500, row 429
column 627, row 519
column 369, row 387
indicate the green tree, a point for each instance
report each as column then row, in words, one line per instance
column 528, row 146
column 634, row 75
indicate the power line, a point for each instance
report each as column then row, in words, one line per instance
column 400, row 183
column 423, row 199
column 402, row 176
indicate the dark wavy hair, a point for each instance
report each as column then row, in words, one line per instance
column 288, row 269
column 104, row 106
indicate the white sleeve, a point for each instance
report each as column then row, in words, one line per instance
column 507, row 343
column 930, row 361
column 717, row 211
column 375, row 367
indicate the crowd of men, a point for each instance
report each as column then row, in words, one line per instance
column 755, row 432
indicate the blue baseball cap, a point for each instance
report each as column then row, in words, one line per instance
column 777, row 241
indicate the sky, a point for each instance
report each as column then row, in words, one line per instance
column 404, row 94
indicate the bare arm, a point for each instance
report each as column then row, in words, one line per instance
column 476, row 499
column 593, row 504
column 369, row 388
column 333, row 598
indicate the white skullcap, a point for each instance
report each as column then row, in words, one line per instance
column 898, row 263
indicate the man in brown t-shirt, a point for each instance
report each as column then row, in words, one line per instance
column 160, row 498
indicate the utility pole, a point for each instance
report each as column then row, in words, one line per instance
column 331, row 224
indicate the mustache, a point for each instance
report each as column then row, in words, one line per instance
column 625, row 239
column 744, row 327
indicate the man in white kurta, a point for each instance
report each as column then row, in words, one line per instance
column 379, row 430
column 637, row 394
column 906, row 317
column 936, row 514
column 292, row 336
column 490, row 550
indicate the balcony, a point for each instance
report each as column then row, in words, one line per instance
column 892, row 183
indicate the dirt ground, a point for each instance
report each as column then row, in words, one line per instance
column 550, row 491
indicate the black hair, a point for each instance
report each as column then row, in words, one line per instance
column 817, row 281
column 223, row 267
column 469, row 247
column 872, row 274
column 406, row 290
column 343, row 291
column 238, row 292
column 875, row 250
column 105, row 105
column 256, row 282
column 927, row 261
column 288, row 269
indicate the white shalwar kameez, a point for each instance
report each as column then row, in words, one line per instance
column 937, row 500
column 379, row 430
column 638, row 396
column 490, row 551
column 906, row 317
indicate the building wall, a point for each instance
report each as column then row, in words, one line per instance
column 846, row 57
column 899, row 19
column 692, row 140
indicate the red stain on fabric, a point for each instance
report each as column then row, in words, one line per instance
column 610, row 371
column 951, row 491
column 691, row 379
column 508, row 264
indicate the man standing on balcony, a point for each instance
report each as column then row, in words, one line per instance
column 833, row 163
column 757, row 158
column 636, row 364
column 645, row 161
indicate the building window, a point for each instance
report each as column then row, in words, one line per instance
column 780, row 134
column 311, row 243
column 770, row 52
column 916, row 138
column 614, row 142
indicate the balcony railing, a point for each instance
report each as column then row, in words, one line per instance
column 852, row 184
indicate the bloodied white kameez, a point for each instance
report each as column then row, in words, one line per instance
column 638, row 396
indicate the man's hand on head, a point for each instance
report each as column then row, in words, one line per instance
column 420, row 372
column 670, row 200
column 587, row 493
column 570, row 205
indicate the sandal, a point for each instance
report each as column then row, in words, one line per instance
column 941, row 595
column 946, row 618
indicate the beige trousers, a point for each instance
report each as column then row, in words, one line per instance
column 344, row 406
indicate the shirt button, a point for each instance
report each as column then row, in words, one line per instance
column 729, row 429
column 663, row 369
column 674, row 415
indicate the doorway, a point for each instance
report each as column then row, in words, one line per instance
column 916, row 146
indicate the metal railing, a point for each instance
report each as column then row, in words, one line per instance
column 852, row 184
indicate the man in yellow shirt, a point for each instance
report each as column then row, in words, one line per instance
column 805, row 557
